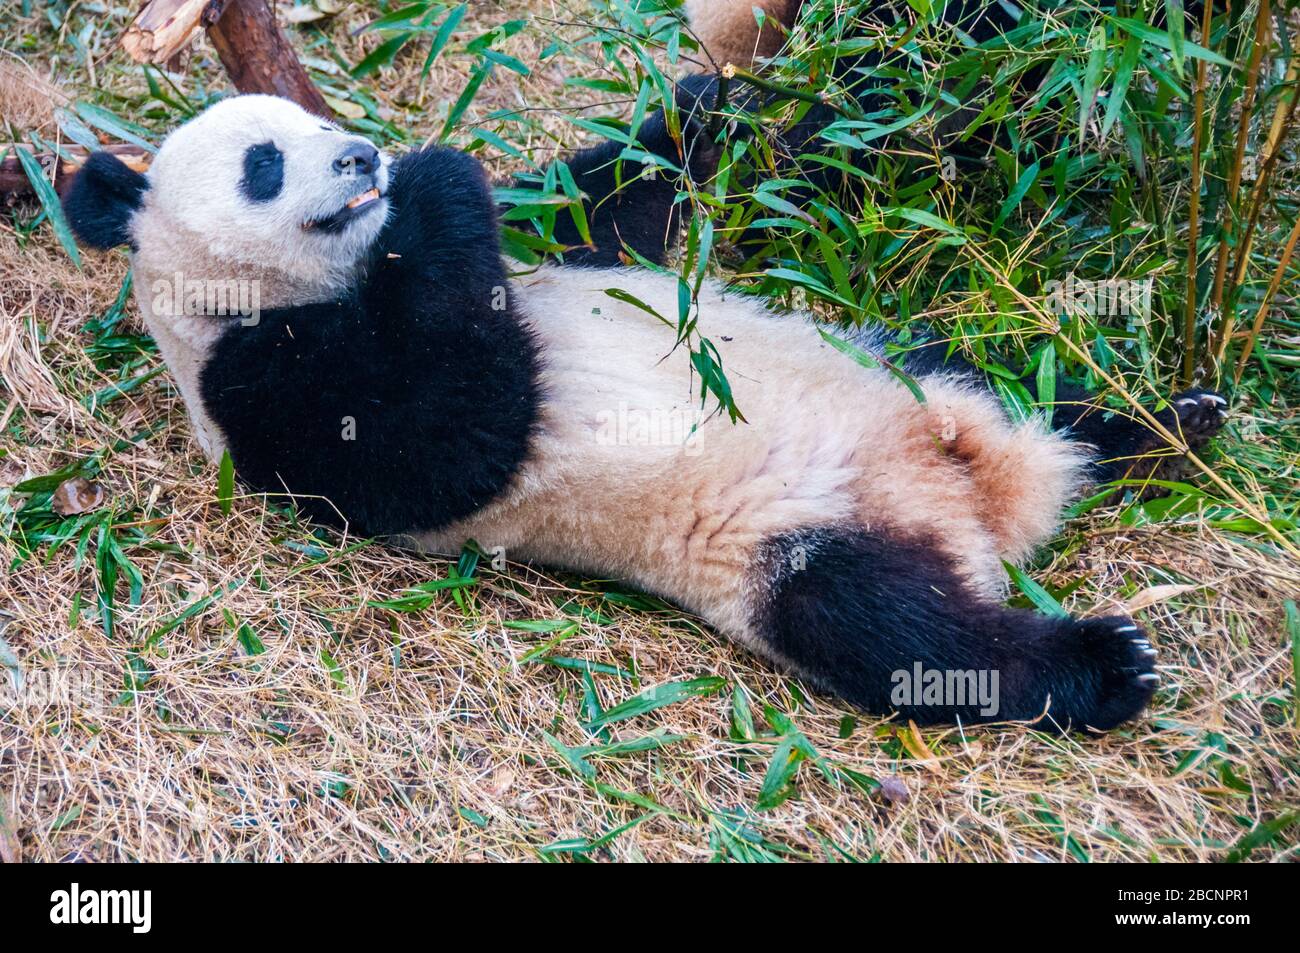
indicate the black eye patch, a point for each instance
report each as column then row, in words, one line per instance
column 263, row 172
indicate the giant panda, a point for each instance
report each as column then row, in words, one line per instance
column 748, row 32
column 399, row 380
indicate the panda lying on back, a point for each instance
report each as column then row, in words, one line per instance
column 398, row 379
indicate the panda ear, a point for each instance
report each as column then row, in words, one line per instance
column 103, row 196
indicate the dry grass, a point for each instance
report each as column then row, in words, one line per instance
column 27, row 99
column 362, row 733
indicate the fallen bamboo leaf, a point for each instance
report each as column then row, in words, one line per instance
column 1152, row 595
column 77, row 495
column 918, row 749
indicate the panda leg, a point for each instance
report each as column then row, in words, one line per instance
column 1120, row 444
column 887, row 623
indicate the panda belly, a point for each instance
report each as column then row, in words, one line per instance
column 629, row 478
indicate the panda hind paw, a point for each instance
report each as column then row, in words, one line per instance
column 1117, row 663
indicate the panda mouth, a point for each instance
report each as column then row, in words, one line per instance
column 365, row 198
column 353, row 209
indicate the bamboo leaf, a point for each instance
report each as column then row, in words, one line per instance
column 382, row 55
column 114, row 125
column 1151, row 35
column 50, row 202
column 657, row 697
column 1046, row 378
column 226, row 482
column 1023, row 185
column 481, row 72
column 1119, row 88
column 1036, row 594
column 440, row 39
column 1091, row 78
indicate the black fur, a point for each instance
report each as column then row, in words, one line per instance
column 625, row 209
column 441, row 386
column 103, row 196
column 263, row 172
column 929, row 355
column 848, row 608
column 1126, row 444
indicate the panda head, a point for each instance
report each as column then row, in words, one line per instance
column 254, row 182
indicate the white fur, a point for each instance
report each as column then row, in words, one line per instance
column 196, row 223
column 827, row 441
column 194, row 189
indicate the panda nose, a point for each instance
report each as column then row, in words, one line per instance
column 359, row 158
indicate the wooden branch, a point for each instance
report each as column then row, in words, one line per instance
column 13, row 180
column 258, row 56
column 163, row 29
column 251, row 46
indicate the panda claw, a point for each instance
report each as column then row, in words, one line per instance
column 1126, row 628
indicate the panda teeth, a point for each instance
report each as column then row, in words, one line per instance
column 363, row 198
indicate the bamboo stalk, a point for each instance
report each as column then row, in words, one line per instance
column 732, row 71
column 1268, row 299
column 259, row 57
column 719, row 104
column 1194, row 212
column 1226, row 321
column 1283, row 116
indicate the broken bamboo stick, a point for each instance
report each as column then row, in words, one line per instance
column 249, row 42
column 163, row 29
column 13, row 180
